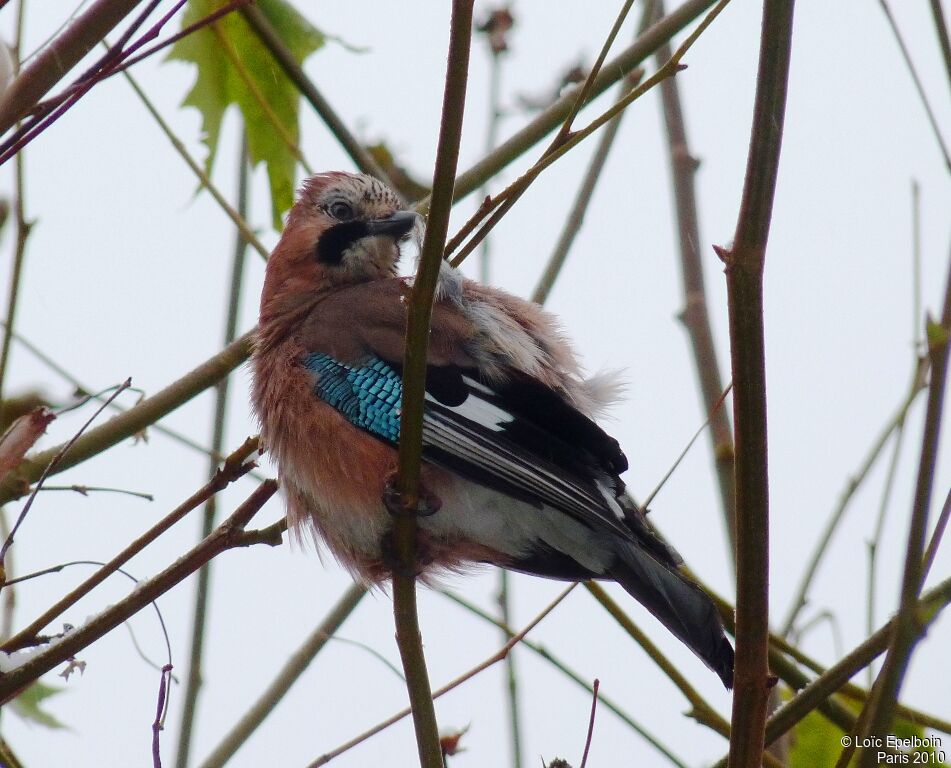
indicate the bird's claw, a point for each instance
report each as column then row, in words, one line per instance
column 428, row 503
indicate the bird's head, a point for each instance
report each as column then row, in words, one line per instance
column 343, row 229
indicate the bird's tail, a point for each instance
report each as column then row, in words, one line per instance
column 685, row 609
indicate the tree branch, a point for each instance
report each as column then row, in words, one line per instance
column 203, row 586
column 54, row 61
column 289, row 674
column 744, row 271
column 132, row 421
column 695, row 316
column 700, row 709
column 880, row 709
column 226, row 536
column 295, row 73
column 234, row 467
column 408, row 484
column 571, row 674
column 554, row 116
column 493, row 659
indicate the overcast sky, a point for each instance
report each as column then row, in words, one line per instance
column 127, row 275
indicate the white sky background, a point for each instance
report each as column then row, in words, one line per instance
column 127, row 274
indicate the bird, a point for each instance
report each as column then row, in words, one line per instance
column 517, row 473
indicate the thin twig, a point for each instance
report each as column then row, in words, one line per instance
column 941, row 28
column 78, row 38
column 700, row 709
column 919, row 87
column 234, row 467
column 895, row 423
column 571, row 674
column 695, row 315
column 85, row 490
column 285, row 59
column 8, row 606
column 716, row 407
column 239, row 221
column 504, row 580
column 161, row 710
column 594, row 709
column 880, row 709
column 936, row 536
column 504, row 201
column 228, row 535
column 876, row 540
column 133, row 421
column 295, row 666
column 54, row 462
column 23, row 228
column 493, row 659
column 920, row 372
column 408, row 483
column 219, row 419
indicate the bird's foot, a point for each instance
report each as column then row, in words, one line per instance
column 426, row 505
column 394, row 563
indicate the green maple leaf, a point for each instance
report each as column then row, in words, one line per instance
column 28, row 705
column 269, row 102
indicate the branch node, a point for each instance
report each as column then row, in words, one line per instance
column 724, row 254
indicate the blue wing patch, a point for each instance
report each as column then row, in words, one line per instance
column 369, row 395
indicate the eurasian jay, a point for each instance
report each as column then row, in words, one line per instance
column 517, row 472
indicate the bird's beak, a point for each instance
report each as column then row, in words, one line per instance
column 399, row 224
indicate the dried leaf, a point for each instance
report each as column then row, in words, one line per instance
column 73, row 665
column 449, row 741
column 496, row 27
column 21, row 436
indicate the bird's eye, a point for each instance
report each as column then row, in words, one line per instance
column 340, row 210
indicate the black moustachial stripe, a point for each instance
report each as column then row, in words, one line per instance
column 335, row 241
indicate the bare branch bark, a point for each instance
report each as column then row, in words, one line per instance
column 408, row 484
column 695, row 316
column 910, row 625
column 55, row 61
column 132, row 421
column 228, row 535
column 203, row 587
column 744, row 271
column 289, row 674
column 235, row 466
column 285, row 59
